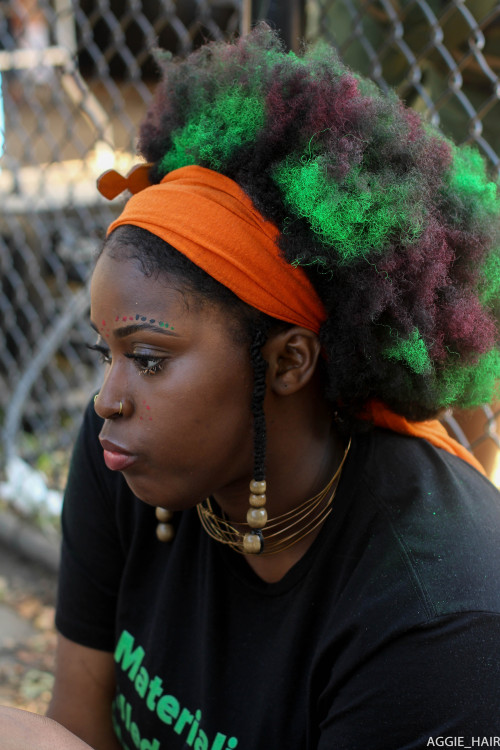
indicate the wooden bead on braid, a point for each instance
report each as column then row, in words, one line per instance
column 253, row 542
column 164, row 531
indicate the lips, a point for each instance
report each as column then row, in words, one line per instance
column 116, row 458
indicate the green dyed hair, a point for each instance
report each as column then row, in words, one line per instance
column 397, row 227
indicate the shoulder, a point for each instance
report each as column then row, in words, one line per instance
column 442, row 519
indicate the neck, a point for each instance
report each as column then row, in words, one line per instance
column 290, row 550
column 303, row 453
column 301, row 465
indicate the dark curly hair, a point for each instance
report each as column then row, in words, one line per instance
column 396, row 227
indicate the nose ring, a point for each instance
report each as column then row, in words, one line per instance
column 120, row 410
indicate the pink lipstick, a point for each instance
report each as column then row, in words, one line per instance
column 118, row 461
column 116, row 458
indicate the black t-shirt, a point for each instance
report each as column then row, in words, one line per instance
column 384, row 636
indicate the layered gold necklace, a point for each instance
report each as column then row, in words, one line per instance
column 280, row 532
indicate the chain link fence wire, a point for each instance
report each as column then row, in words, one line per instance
column 75, row 80
column 442, row 58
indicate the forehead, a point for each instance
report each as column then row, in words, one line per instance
column 120, row 283
column 121, row 292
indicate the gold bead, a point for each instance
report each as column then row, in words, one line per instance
column 257, row 518
column 163, row 514
column 257, row 501
column 252, row 544
column 257, row 488
column 165, row 532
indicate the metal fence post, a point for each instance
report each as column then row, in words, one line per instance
column 288, row 18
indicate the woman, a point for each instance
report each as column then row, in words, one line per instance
column 311, row 273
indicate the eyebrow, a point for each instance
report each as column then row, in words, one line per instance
column 125, row 331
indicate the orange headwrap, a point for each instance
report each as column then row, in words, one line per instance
column 209, row 219
column 431, row 430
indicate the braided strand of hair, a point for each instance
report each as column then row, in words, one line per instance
column 259, row 365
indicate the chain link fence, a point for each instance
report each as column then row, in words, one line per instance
column 75, row 80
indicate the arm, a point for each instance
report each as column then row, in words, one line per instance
column 22, row 729
column 83, row 693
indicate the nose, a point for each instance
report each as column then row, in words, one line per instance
column 110, row 403
column 108, row 411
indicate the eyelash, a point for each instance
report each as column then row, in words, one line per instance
column 148, row 369
column 104, row 353
column 146, row 365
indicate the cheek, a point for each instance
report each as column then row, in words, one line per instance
column 197, row 398
column 146, row 412
column 201, row 413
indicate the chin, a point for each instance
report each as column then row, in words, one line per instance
column 144, row 490
column 153, row 493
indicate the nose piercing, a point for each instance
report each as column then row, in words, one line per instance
column 120, row 410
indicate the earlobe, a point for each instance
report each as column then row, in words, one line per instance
column 292, row 356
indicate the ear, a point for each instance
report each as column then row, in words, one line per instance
column 292, row 356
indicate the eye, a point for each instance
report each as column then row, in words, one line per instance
column 103, row 351
column 147, row 365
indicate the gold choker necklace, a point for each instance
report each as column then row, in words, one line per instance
column 300, row 521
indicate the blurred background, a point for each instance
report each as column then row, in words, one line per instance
column 75, row 79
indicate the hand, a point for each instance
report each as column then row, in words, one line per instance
column 21, row 729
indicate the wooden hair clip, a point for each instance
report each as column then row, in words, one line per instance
column 112, row 183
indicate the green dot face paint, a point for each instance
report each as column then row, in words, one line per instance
column 140, row 318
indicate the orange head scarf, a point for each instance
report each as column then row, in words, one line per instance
column 209, row 219
column 431, row 430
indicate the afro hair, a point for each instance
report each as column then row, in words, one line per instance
column 396, row 226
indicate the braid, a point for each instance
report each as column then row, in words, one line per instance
column 259, row 365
